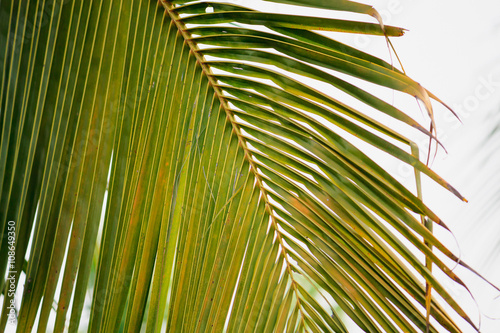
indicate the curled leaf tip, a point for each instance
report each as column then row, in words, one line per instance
column 402, row 31
column 442, row 224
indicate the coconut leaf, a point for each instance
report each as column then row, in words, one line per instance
column 168, row 171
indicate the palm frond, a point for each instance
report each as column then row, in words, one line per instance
column 186, row 145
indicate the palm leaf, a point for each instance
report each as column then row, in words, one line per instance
column 186, row 146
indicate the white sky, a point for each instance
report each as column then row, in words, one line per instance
column 453, row 49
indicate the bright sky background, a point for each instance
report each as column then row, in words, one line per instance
column 453, row 49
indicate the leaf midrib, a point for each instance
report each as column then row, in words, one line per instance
column 241, row 140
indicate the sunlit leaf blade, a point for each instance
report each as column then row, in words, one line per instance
column 172, row 166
